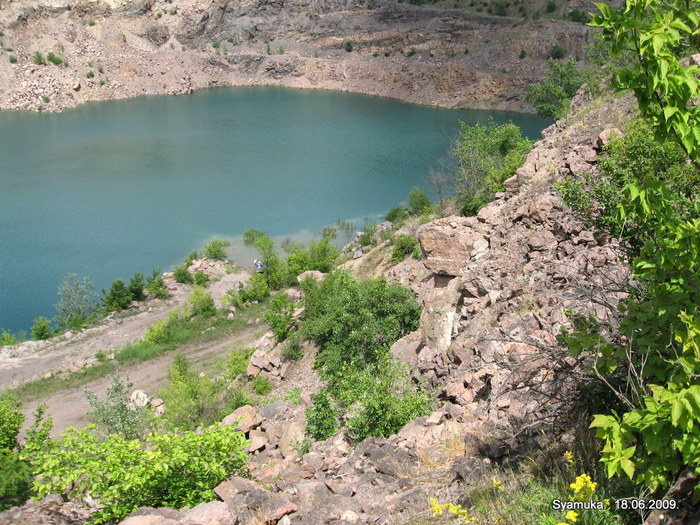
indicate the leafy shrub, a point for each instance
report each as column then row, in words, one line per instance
column 168, row 470
column 366, row 238
column 156, row 285
column 275, row 269
column 557, row 52
column 90, row 74
column 202, row 302
column 405, row 245
column 381, row 401
column 182, row 275
column 136, row 286
column 396, row 215
column 187, row 261
column 15, row 480
column 236, row 363
column 320, row 417
column 487, row 155
column 117, row 298
column 201, row 278
column 261, row 385
column 255, row 289
column 552, row 96
column 279, row 316
column 42, row 328
column 8, row 339
column 194, row 400
column 354, row 323
column 216, row 249
column 77, row 302
column 11, row 421
column 418, row 202
column 13, row 59
column 159, row 333
column 292, row 350
column 38, row 58
column 348, row 46
column 115, row 413
column 551, row 7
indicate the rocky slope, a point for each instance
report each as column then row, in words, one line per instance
column 126, row 48
column 496, row 289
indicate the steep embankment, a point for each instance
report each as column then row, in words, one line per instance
column 121, row 49
column 495, row 290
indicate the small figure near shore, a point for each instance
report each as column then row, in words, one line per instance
column 258, row 265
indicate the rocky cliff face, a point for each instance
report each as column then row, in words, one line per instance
column 120, row 49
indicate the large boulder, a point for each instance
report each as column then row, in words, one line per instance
column 449, row 244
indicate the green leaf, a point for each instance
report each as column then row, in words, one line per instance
column 627, row 466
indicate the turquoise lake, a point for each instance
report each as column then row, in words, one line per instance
column 113, row 188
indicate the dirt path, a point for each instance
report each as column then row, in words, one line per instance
column 69, row 407
column 35, row 359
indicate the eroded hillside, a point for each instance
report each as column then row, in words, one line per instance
column 117, row 49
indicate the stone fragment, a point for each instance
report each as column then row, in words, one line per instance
column 310, row 274
column 448, row 249
column 257, row 441
column 607, row 135
column 247, row 415
column 211, row 513
column 234, row 486
column 542, row 240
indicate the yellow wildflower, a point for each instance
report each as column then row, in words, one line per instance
column 498, row 485
column 606, row 502
column 569, row 457
column 572, row 516
column 583, row 487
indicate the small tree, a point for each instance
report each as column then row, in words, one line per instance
column 42, row 328
column 418, row 202
column 78, row 301
column 552, row 96
column 216, row 249
column 202, row 302
column 115, row 413
column 117, row 298
column 136, row 286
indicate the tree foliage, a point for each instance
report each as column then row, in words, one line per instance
column 659, row 434
column 487, row 154
column 77, row 301
column 552, row 96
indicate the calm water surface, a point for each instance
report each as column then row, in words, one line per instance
column 114, row 188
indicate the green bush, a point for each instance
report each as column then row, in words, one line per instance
column 11, row 421
column 275, row 268
column 201, row 278
column 418, row 202
column 236, row 363
column 261, row 386
column 366, row 238
column 182, row 275
column 167, row 470
column 216, row 249
column 90, row 74
column 279, row 316
column 381, row 401
column 354, row 323
column 202, row 302
column 552, row 96
column 255, row 289
column 194, row 400
column 15, row 480
column 551, row 7
column 115, row 413
column 396, row 215
column 8, row 339
column 405, row 245
column 77, row 302
column 348, row 46
column 292, row 350
column 13, row 59
column 42, row 328
column 136, row 286
column 557, row 52
column 156, row 285
column 487, row 155
column 118, row 297
column 320, row 417
column 187, row 261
